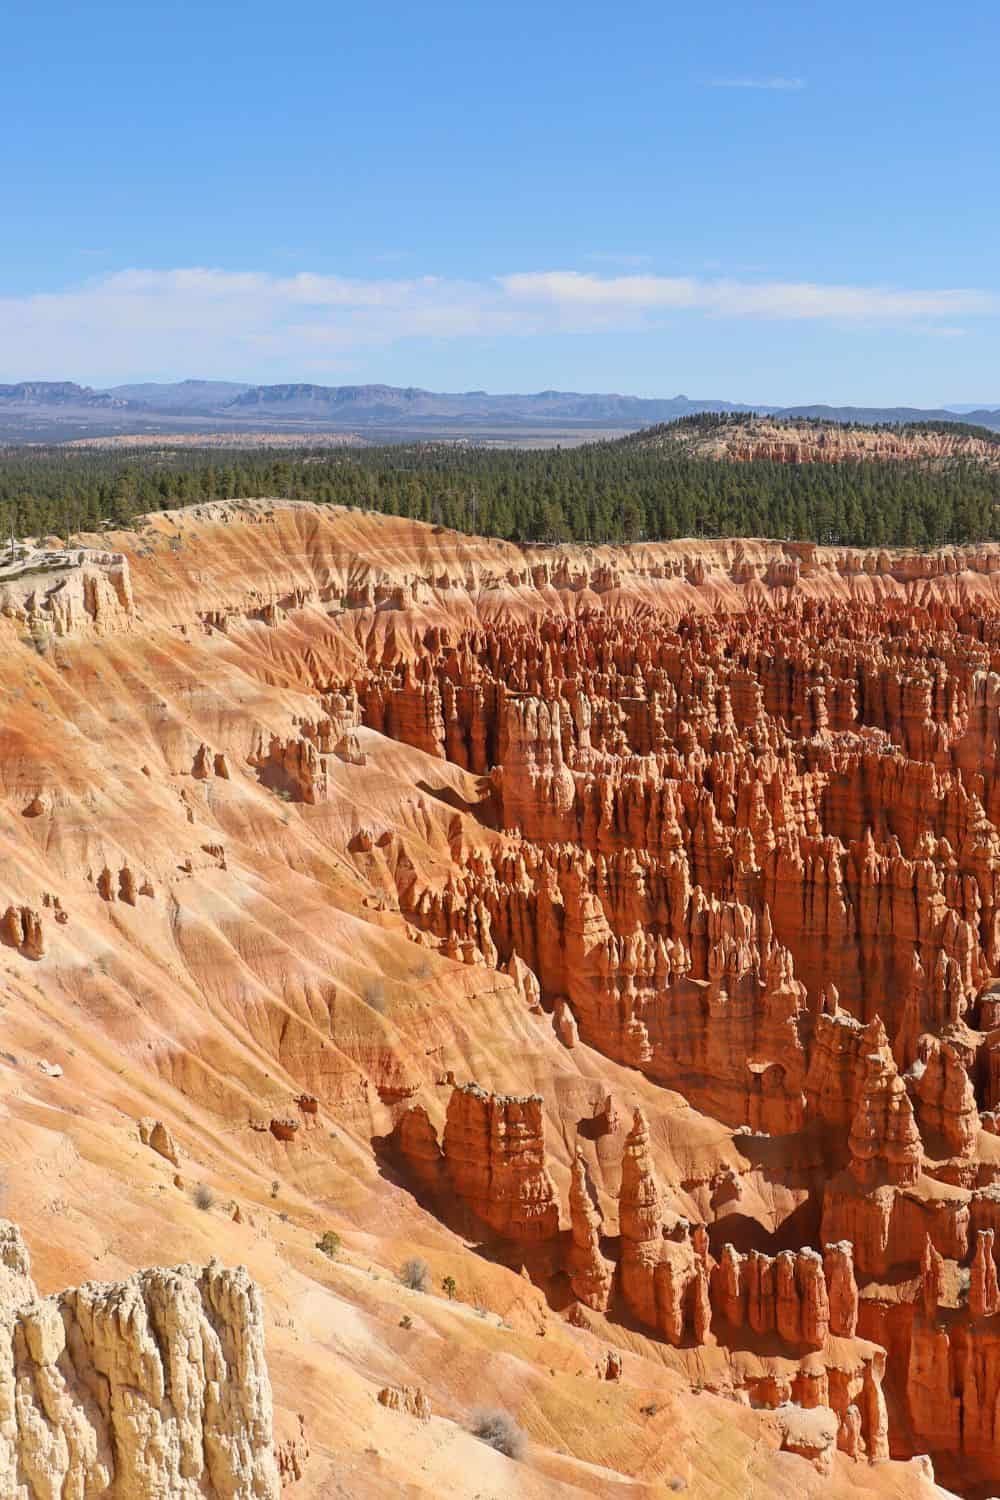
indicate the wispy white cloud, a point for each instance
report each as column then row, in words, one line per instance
column 746, row 299
column 238, row 322
column 775, row 85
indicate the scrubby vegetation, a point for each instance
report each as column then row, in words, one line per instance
column 329, row 1244
column 415, row 1274
column 500, row 1431
column 629, row 489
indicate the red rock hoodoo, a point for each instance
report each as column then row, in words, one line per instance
column 756, row 862
column 614, row 932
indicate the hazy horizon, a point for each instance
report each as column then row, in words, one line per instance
column 723, row 397
column 454, row 198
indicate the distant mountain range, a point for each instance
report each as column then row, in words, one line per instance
column 46, row 411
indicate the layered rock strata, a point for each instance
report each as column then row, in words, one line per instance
column 757, row 860
column 152, row 1387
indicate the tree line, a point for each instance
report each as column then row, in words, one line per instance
column 621, row 490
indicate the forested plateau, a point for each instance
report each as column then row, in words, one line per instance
column 940, row 487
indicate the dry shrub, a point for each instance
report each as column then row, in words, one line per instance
column 415, row 1274
column 497, row 1428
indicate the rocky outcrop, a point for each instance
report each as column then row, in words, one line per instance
column 21, row 928
column 292, row 1454
column 808, row 441
column 406, row 1398
column 841, row 1288
column 705, row 827
column 16, row 1283
column 785, row 1294
column 494, row 1157
column 664, row 1278
column 984, row 1293
column 945, row 1099
column 949, row 1358
column 884, row 1142
column 590, row 1273
column 155, row 1135
column 150, row 1387
column 812, row 1434
column 65, row 593
column 417, row 1144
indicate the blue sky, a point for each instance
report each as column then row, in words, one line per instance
column 773, row 202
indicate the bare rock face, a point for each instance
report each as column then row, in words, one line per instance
column 641, row 1220
column 292, row 1454
column 842, row 1288
column 406, row 1398
column 590, row 1274
column 789, row 442
column 945, row 1099
column 753, row 856
column 153, row 1387
column 984, row 1293
column 417, row 1143
column 931, row 1280
column 21, row 928
column 494, row 1152
column 797, row 1295
column 884, row 1141
column 565, row 1024
column 525, row 981
column 16, row 1284
column 812, row 1434
column 70, row 592
column 664, row 1279
column 155, row 1135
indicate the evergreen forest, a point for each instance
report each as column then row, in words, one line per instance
column 628, row 489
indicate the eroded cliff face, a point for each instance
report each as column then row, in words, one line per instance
column 616, row 930
column 828, row 443
column 151, row 1388
column 756, row 861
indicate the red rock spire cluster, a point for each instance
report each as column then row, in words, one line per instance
column 755, row 858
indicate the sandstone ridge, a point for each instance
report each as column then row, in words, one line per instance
column 815, row 442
